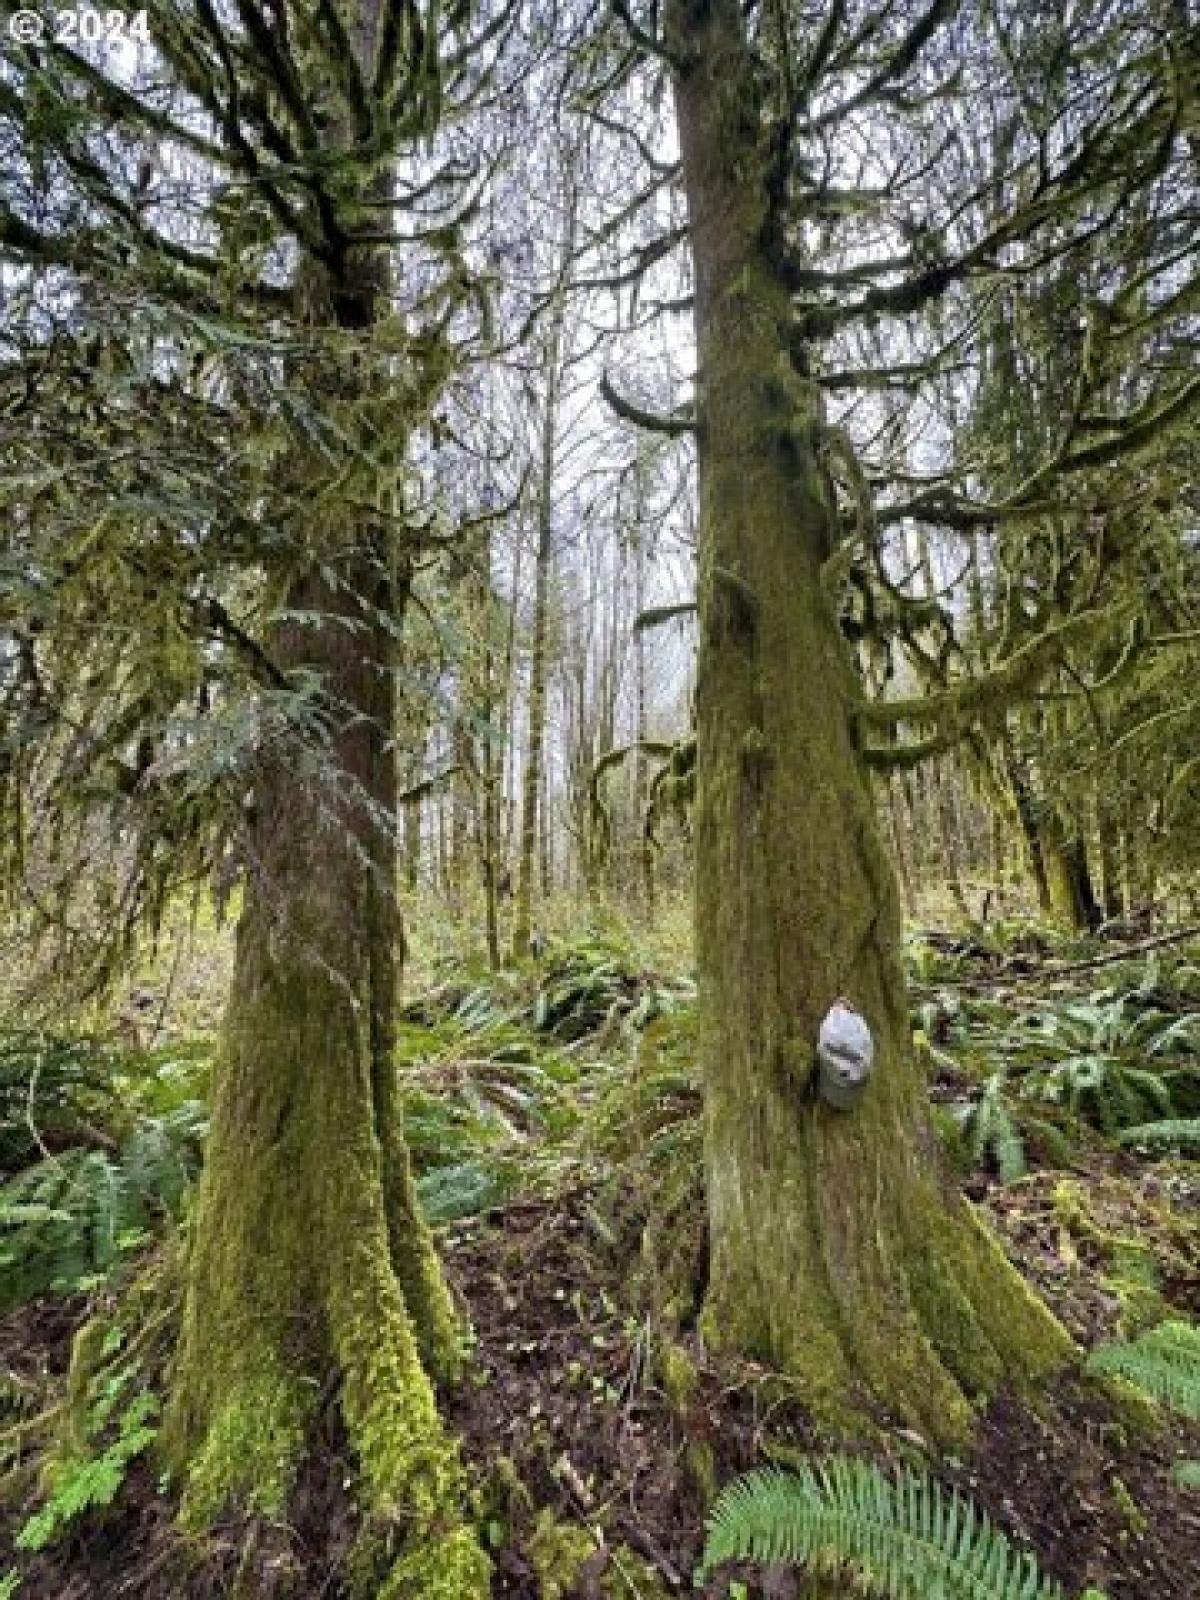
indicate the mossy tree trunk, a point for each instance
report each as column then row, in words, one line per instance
column 311, row 1274
column 1068, row 872
column 1027, row 813
column 311, row 1269
column 838, row 1251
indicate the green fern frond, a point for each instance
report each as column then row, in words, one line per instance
column 448, row 1194
column 1165, row 1363
column 1180, row 1036
column 93, row 1480
column 73, row 1215
column 1008, row 1147
column 1059, row 1149
column 1187, row 1474
column 1181, row 1133
column 993, row 1129
column 905, row 1538
column 1141, row 1082
column 55, row 1083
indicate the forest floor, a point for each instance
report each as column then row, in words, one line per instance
column 553, row 1114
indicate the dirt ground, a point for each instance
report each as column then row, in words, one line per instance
column 565, row 1410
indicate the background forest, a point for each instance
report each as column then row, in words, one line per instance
column 600, row 800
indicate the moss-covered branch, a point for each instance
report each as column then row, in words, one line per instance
column 1018, row 675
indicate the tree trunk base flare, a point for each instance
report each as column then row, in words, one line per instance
column 916, row 1325
column 311, row 1274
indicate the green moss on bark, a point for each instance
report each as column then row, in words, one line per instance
column 679, row 1377
column 87, row 1352
column 293, row 1293
column 447, row 1566
column 409, row 1468
column 414, row 1258
column 251, row 1448
column 839, row 1251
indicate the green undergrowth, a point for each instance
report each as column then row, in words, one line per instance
column 567, row 1555
column 64, row 1089
column 579, row 1069
column 1163, row 1366
column 1164, row 1363
column 1132, row 1244
column 69, row 1220
column 1031, row 1071
column 1114, row 1252
column 100, row 1159
column 505, row 1096
column 645, row 1138
column 70, row 1460
column 896, row 1537
column 503, row 1080
column 577, row 1073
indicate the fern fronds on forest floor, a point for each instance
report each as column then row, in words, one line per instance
column 1165, row 1363
column 72, row 1217
column 1174, row 1133
column 900, row 1538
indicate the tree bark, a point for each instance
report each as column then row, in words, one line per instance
column 309, row 1256
column 838, row 1251
column 411, row 829
column 531, row 772
column 1068, row 873
column 311, row 1271
column 490, row 755
column 641, row 765
column 940, row 781
column 1031, row 831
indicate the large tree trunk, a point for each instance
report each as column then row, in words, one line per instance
column 310, row 1262
column 311, row 1272
column 837, row 1249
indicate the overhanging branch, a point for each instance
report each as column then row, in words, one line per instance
column 656, row 616
column 652, row 421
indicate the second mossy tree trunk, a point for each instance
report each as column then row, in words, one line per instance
column 311, row 1270
column 1064, row 849
column 311, row 1278
column 838, row 1250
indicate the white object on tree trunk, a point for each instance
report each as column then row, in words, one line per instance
column 846, row 1055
